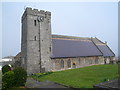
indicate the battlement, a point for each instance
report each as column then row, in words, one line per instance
column 35, row 12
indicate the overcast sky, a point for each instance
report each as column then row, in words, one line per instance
column 83, row 19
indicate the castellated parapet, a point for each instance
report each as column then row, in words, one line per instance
column 36, row 41
column 36, row 12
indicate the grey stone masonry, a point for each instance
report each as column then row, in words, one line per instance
column 36, row 41
column 77, row 62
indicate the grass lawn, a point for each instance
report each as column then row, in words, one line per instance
column 84, row 77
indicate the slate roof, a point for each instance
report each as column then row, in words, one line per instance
column 106, row 50
column 69, row 46
column 103, row 47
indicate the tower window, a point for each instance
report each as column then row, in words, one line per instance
column 50, row 49
column 35, row 23
column 35, row 38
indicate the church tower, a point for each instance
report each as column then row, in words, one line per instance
column 36, row 41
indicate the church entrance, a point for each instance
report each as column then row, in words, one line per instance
column 105, row 60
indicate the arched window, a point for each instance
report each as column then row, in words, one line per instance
column 62, row 64
column 96, row 60
column 90, row 61
column 79, row 61
column 35, row 23
column 69, row 63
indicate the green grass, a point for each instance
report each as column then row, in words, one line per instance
column 84, row 77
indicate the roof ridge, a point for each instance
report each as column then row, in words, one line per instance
column 72, row 39
column 67, row 36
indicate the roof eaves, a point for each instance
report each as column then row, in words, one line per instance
column 75, row 56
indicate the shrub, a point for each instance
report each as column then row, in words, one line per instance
column 20, row 76
column 6, row 68
column 49, row 72
column 38, row 75
column 8, row 80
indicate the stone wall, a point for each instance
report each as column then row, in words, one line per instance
column 76, row 62
column 6, row 63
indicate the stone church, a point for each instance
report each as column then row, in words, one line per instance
column 42, row 52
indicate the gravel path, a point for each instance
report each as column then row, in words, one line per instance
column 31, row 83
column 115, row 83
